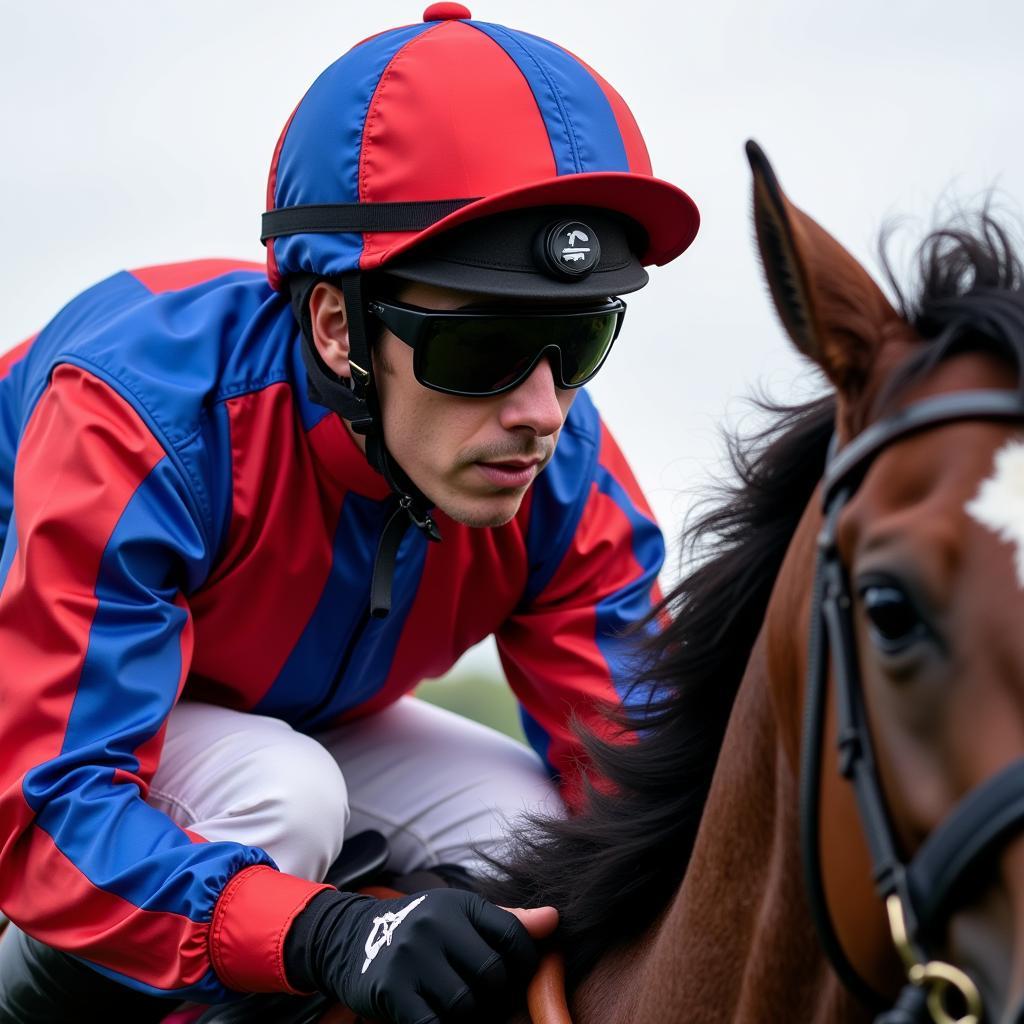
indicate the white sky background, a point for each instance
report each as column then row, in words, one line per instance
column 136, row 133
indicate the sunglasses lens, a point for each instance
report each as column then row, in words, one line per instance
column 482, row 356
column 585, row 349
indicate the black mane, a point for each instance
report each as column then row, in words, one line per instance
column 623, row 859
column 970, row 294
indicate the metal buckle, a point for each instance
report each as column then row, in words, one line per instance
column 933, row 975
column 358, row 372
column 426, row 524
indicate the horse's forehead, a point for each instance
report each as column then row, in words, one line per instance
column 998, row 504
column 926, row 495
column 948, row 461
column 940, row 469
column 962, row 370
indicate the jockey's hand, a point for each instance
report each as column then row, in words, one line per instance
column 436, row 957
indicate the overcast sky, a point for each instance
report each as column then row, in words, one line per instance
column 137, row 133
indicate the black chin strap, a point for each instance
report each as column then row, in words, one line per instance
column 356, row 401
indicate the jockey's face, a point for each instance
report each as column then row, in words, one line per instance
column 474, row 457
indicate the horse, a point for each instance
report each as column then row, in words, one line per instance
column 854, row 615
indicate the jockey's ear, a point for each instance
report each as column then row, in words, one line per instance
column 329, row 325
column 829, row 305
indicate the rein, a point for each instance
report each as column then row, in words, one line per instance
column 545, row 998
column 918, row 894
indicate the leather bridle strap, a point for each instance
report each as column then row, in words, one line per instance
column 812, row 739
column 984, row 818
column 850, row 463
column 957, row 847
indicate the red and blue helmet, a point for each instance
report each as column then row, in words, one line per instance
column 423, row 128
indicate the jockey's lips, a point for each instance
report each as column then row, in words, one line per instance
column 511, row 474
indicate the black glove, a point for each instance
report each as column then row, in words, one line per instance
column 435, row 957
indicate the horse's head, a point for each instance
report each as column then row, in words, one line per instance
column 925, row 599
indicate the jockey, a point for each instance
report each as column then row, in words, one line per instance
column 245, row 510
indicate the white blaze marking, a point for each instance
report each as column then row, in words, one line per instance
column 999, row 503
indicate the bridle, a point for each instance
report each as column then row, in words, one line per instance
column 919, row 894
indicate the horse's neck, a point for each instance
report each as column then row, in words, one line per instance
column 737, row 944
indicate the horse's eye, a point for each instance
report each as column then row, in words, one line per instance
column 893, row 617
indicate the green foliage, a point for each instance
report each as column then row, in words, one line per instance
column 483, row 698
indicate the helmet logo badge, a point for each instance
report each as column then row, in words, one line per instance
column 572, row 255
column 568, row 249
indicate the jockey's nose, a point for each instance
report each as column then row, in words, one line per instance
column 534, row 404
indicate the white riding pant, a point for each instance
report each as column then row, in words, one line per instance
column 437, row 785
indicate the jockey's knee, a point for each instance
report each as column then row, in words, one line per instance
column 300, row 810
column 438, row 810
column 250, row 779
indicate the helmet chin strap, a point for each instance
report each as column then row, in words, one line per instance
column 357, row 402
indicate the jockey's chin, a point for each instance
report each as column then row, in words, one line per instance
column 485, row 492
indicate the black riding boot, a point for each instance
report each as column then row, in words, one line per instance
column 41, row 985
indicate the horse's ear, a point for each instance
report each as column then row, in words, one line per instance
column 832, row 309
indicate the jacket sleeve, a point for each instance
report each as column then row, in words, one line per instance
column 595, row 552
column 96, row 636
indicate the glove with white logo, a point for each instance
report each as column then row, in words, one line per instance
column 437, row 957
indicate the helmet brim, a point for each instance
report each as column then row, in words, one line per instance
column 667, row 214
column 510, row 254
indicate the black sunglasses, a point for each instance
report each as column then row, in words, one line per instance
column 482, row 352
